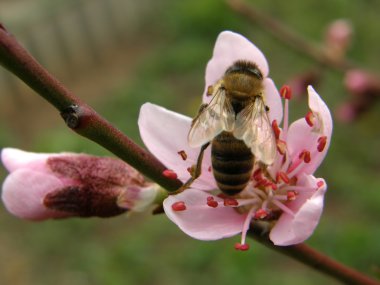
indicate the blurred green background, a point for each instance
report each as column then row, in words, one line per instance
column 116, row 55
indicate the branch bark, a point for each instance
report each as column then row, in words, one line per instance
column 314, row 259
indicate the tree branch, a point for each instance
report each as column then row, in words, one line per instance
column 79, row 116
column 316, row 260
column 288, row 36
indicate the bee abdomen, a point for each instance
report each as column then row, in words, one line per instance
column 232, row 163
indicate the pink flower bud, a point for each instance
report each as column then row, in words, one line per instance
column 44, row 186
column 338, row 37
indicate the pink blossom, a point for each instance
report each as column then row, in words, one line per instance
column 42, row 186
column 286, row 195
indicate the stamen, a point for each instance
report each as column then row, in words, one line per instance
column 242, row 247
column 283, row 207
column 321, row 143
column 282, row 176
column 281, row 147
column 211, row 202
column 310, row 118
column 231, row 202
column 320, row 184
column 291, row 195
column 302, row 189
column 168, row 173
column 246, row 224
column 260, row 214
column 258, row 174
column 286, row 92
column 183, row 154
column 276, row 129
column 179, row 206
column 305, row 156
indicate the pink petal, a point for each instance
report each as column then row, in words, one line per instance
column 230, row 47
column 296, row 229
column 303, row 137
column 201, row 221
column 165, row 134
column 273, row 100
column 13, row 159
column 23, row 193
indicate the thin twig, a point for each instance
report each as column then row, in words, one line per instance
column 79, row 116
column 288, row 36
column 316, row 260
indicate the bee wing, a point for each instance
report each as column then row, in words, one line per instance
column 218, row 116
column 253, row 126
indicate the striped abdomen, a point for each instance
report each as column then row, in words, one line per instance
column 232, row 163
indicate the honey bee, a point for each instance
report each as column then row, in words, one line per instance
column 237, row 126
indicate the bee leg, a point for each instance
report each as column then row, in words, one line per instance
column 197, row 171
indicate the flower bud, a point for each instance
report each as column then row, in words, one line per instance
column 44, row 186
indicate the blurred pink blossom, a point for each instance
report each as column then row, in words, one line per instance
column 364, row 88
column 42, row 186
column 338, row 38
column 286, row 194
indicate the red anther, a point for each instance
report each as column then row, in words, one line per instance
column 282, row 176
column 244, row 247
column 257, row 175
column 321, row 143
column 179, row 206
column 168, row 173
column 320, row 183
column 230, row 202
column 286, row 92
column 310, row 118
column 281, row 146
column 293, row 180
column 291, row 195
column 183, row 154
column 305, row 156
column 212, row 203
column 209, row 169
column 210, row 198
column 261, row 214
column 270, row 184
column 276, row 129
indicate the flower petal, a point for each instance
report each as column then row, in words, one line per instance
column 296, row 229
column 23, row 193
column 165, row 134
column 303, row 137
column 273, row 100
column 14, row 158
column 230, row 47
column 201, row 221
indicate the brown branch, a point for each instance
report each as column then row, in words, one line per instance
column 316, row 260
column 78, row 116
column 288, row 36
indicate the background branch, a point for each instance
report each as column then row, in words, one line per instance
column 288, row 36
column 314, row 259
column 79, row 116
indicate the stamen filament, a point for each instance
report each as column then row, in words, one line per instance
column 247, row 221
column 283, row 207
